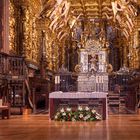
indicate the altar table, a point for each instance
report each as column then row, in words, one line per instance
column 55, row 96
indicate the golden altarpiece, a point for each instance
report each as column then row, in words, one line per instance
column 93, row 67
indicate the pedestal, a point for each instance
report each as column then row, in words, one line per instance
column 97, row 82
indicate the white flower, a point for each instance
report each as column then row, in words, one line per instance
column 98, row 118
column 73, row 120
column 80, row 108
column 98, row 114
column 68, row 109
column 57, row 113
column 87, row 108
column 86, row 117
column 93, row 111
column 64, row 114
column 62, row 110
column 81, row 116
column 56, row 117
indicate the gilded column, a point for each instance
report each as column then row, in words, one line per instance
column 27, row 28
column 1, row 24
column 12, row 33
column 125, row 51
column 138, row 39
column 4, row 25
column 50, row 53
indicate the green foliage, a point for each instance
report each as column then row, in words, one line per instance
column 80, row 114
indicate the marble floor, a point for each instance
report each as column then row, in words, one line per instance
column 39, row 127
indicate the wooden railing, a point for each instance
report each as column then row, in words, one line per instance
column 128, row 86
column 17, row 66
column 12, row 65
column 3, row 63
column 14, row 70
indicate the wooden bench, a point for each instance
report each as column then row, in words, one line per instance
column 5, row 112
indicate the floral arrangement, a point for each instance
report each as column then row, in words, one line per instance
column 80, row 114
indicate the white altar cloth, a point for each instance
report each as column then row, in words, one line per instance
column 77, row 95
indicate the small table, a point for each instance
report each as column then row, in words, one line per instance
column 5, row 111
column 54, row 96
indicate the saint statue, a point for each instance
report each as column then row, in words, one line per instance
column 93, row 64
